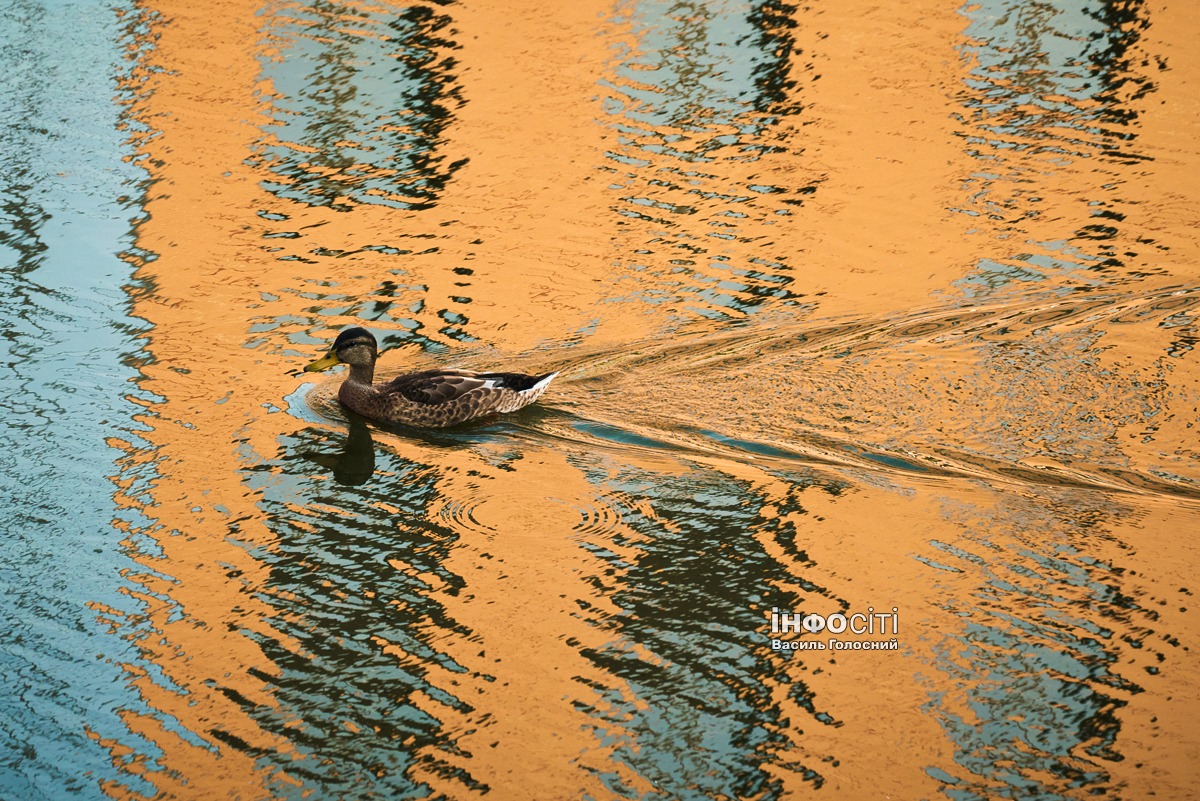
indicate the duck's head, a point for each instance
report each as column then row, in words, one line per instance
column 354, row 346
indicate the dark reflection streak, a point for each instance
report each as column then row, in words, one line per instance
column 695, row 598
column 21, row 220
column 1041, row 631
column 22, row 216
column 1123, row 81
column 1045, row 69
column 777, row 92
column 708, row 83
column 373, row 111
column 363, row 571
column 1123, row 84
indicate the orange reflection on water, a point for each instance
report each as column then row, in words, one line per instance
column 197, row 591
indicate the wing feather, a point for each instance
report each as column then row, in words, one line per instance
column 435, row 387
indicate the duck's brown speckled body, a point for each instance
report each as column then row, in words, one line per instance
column 431, row 398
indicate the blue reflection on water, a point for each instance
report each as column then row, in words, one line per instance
column 698, row 65
column 1036, row 671
column 360, row 100
column 706, row 82
column 65, row 214
column 1050, row 89
column 363, row 575
column 689, row 643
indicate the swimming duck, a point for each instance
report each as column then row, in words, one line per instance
column 430, row 398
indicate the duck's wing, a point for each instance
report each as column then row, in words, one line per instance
column 435, row 387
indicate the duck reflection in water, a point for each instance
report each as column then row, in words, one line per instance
column 355, row 465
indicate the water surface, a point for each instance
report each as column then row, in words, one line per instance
column 855, row 307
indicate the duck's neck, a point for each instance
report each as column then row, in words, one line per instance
column 361, row 374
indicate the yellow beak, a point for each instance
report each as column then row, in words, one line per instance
column 323, row 363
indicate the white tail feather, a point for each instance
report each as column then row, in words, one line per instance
column 528, row 396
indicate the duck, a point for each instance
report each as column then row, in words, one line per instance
column 427, row 399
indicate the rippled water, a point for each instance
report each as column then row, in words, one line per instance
column 857, row 307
